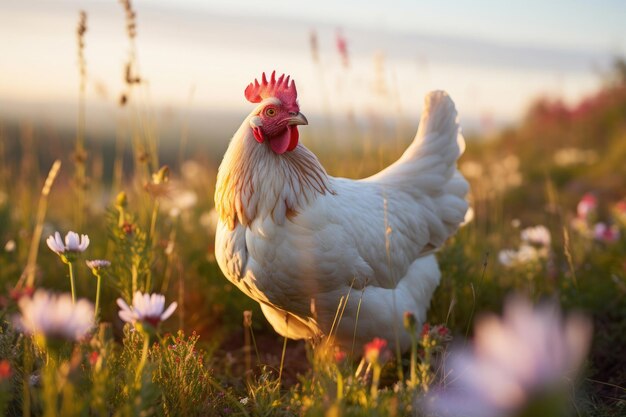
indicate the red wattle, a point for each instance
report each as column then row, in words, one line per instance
column 293, row 141
column 280, row 143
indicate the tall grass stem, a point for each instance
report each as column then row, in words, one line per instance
column 71, row 267
column 31, row 265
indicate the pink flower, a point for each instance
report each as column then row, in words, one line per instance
column 604, row 233
column 342, row 47
column 55, row 316
column 587, row 206
column 529, row 352
column 93, row 358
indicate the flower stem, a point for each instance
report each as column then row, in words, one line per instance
column 144, row 357
column 413, row 360
column 98, row 297
column 71, row 266
column 50, row 383
column 153, row 221
column 375, row 381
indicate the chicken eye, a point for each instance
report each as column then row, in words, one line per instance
column 270, row 112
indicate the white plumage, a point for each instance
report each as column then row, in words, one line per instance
column 298, row 240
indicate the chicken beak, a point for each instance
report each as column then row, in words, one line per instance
column 298, row 119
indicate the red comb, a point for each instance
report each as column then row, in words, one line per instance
column 279, row 88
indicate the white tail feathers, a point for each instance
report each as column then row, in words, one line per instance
column 427, row 169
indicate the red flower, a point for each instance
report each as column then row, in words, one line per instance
column 93, row 358
column 340, row 355
column 5, row 369
column 373, row 349
column 128, row 228
column 17, row 293
column 443, row 331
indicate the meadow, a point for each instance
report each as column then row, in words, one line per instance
column 548, row 224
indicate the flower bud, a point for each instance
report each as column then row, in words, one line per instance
column 121, row 200
column 410, row 322
column 162, row 176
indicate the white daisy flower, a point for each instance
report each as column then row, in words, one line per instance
column 55, row 316
column 537, row 235
column 146, row 308
column 507, row 257
column 515, row 360
column 98, row 264
column 73, row 243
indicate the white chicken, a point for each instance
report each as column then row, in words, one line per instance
column 300, row 242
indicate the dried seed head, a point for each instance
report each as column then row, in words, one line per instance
column 247, row 318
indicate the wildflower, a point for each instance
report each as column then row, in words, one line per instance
column 339, row 355
column 17, row 293
column 159, row 186
column 438, row 333
column 244, row 400
column 121, row 201
column 146, row 308
column 410, row 322
column 575, row 156
column 72, row 246
column 374, row 349
column 55, row 316
column 537, row 235
column 527, row 355
column 604, row 233
column 373, row 352
column 5, row 369
column 534, row 247
column 128, row 228
column 442, row 331
column 10, row 246
column 587, row 206
column 247, row 318
column 178, row 200
column 620, row 212
column 162, row 176
column 525, row 255
column 97, row 265
column 342, row 47
column 507, row 257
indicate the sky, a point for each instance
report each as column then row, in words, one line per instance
column 493, row 57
